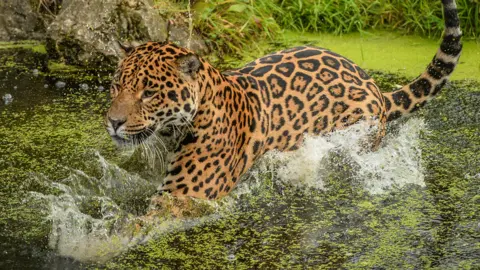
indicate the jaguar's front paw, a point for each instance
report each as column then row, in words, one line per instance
column 165, row 205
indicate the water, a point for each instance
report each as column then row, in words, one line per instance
column 70, row 199
column 91, row 219
column 395, row 164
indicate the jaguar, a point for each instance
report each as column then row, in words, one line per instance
column 234, row 117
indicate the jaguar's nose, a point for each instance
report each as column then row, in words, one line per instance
column 116, row 123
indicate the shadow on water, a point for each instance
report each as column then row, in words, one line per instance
column 69, row 199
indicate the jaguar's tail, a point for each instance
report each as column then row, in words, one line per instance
column 414, row 95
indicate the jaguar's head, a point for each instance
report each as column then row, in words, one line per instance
column 154, row 89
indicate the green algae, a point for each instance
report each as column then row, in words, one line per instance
column 279, row 226
column 275, row 225
column 23, row 56
column 387, row 51
column 34, row 46
column 45, row 139
column 49, row 133
column 58, row 67
column 26, row 56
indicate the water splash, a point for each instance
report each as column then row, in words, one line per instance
column 91, row 218
column 94, row 219
column 396, row 163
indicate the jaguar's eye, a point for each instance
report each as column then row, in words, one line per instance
column 148, row 93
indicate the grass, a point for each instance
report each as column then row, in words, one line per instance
column 235, row 25
column 232, row 25
column 424, row 17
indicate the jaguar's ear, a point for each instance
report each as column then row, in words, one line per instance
column 189, row 64
column 124, row 49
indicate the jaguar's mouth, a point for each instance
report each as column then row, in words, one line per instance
column 133, row 139
column 119, row 140
column 143, row 135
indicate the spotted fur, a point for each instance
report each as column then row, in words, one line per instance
column 235, row 117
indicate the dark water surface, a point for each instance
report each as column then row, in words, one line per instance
column 68, row 198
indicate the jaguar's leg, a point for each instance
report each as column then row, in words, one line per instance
column 377, row 138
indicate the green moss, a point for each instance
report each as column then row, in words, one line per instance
column 34, row 46
column 64, row 71
column 59, row 67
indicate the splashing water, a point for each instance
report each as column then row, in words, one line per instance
column 85, row 213
column 396, row 163
column 92, row 217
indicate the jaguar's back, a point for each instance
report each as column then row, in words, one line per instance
column 308, row 90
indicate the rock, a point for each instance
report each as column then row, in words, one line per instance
column 19, row 21
column 86, row 32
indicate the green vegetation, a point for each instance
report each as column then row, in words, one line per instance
column 377, row 50
column 24, row 56
column 43, row 139
column 235, row 25
column 278, row 226
column 344, row 16
column 61, row 67
column 34, row 46
column 39, row 140
column 228, row 26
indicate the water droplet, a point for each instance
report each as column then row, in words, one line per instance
column 83, row 86
column 15, row 87
column 45, row 86
column 7, row 99
column 231, row 257
column 35, row 72
column 101, row 88
column 60, row 84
